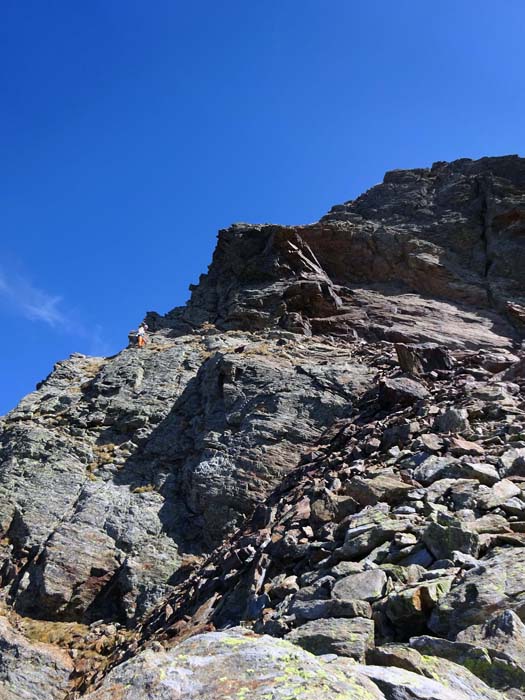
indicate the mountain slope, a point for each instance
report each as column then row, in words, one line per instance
column 285, row 452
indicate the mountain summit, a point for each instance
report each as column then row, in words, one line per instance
column 324, row 450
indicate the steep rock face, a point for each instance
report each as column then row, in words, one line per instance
column 115, row 470
column 327, row 444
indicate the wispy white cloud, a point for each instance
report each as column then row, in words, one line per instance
column 28, row 301
column 20, row 296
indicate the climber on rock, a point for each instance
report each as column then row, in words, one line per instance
column 141, row 335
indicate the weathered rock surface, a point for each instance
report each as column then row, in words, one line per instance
column 233, row 664
column 398, row 684
column 237, row 664
column 327, row 444
column 31, row 670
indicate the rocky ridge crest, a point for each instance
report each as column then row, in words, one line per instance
column 326, row 445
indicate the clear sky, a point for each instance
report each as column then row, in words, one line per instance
column 131, row 131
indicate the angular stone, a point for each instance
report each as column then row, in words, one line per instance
column 453, row 420
column 514, row 506
column 458, row 447
column 410, row 607
column 444, row 540
column 498, row 494
column 496, row 668
column 427, row 662
column 433, row 468
column 485, row 473
column 398, row 684
column 396, row 654
column 361, row 544
column 400, row 392
column 431, row 442
column 490, row 523
column 345, row 637
column 504, row 632
column 513, row 462
column 318, row 590
column 423, row 357
column 383, row 488
column 281, row 586
column 345, row 568
column 320, row 609
column 368, row 585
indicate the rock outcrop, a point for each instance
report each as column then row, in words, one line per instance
column 326, row 445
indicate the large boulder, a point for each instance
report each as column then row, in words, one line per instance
column 495, row 584
column 232, row 664
column 448, row 682
column 497, row 667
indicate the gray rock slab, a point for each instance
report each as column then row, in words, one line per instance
column 367, row 585
column 345, row 637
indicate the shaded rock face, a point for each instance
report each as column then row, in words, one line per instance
column 326, row 444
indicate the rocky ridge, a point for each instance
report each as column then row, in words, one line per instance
column 326, row 446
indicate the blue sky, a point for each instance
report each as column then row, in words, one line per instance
column 131, row 131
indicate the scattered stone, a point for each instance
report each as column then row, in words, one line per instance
column 263, row 458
